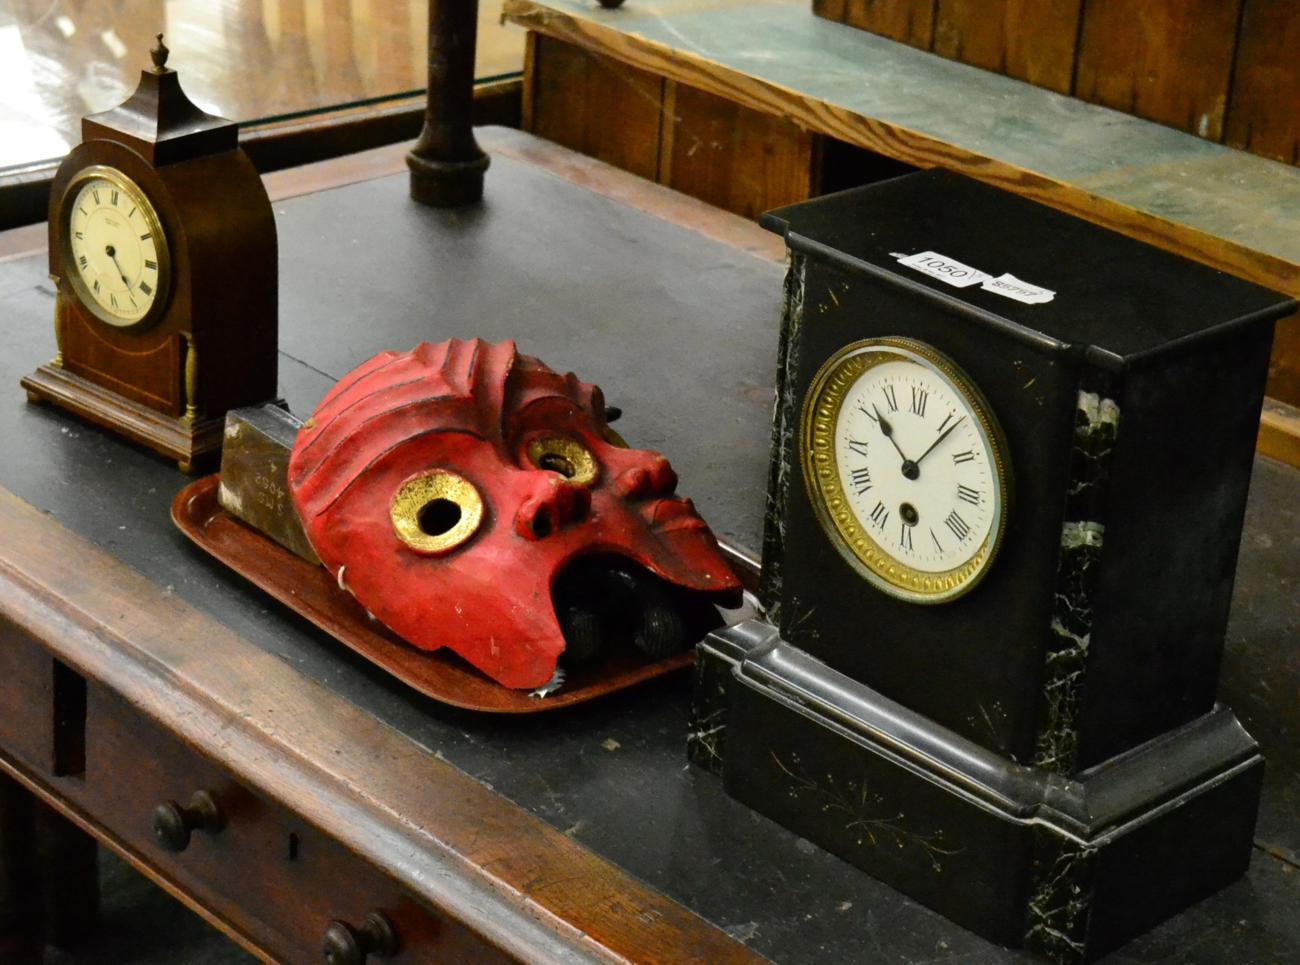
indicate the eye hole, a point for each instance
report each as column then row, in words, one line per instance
column 436, row 512
column 438, row 517
column 557, row 463
column 561, row 455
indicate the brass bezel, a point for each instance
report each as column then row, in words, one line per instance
column 586, row 471
column 417, row 493
column 819, row 458
column 150, row 215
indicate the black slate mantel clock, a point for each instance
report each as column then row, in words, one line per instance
column 1010, row 460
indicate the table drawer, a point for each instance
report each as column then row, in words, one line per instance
column 278, row 880
column 42, row 705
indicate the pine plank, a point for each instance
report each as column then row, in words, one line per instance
column 1031, row 40
column 1264, row 112
column 588, row 102
column 1166, row 60
column 732, row 156
column 908, row 21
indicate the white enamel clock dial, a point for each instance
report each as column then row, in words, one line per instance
column 114, row 247
column 906, row 468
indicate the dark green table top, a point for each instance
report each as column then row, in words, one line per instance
column 680, row 332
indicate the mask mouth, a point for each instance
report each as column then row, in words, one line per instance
column 673, row 513
column 608, row 602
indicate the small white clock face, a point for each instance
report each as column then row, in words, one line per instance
column 906, row 468
column 115, row 248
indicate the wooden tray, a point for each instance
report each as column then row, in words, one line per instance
column 311, row 592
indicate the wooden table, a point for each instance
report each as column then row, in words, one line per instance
column 134, row 670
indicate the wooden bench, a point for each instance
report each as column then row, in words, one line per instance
column 772, row 92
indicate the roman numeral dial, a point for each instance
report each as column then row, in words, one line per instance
column 906, row 467
column 115, row 251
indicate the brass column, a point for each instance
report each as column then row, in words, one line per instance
column 447, row 164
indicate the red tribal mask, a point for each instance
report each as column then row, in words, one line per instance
column 446, row 488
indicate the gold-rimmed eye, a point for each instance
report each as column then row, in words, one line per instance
column 570, row 459
column 436, row 512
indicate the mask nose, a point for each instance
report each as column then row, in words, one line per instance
column 553, row 504
column 651, row 477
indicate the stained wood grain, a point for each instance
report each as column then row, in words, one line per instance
column 1166, row 60
column 27, row 694
column 38, row 786
column 266, row 872
column 442, row 836
column 909, row 21
column 831, row 9
column 1031, row 40
column 732, row 156
column 585, row 101
column 1284, row 363
column 1264, row 112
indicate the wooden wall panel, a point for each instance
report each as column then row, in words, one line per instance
column 1227, row 70
column 603, row 109
column 1166, row 60
column 831, row 9
column 911, row 21
column 1284, row 363
column 733, row 156
column 1264, row 113
column 1031, row 40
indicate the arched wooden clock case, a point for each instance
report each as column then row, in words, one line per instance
column 208, row 341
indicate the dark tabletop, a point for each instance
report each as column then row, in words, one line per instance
column 680, row 332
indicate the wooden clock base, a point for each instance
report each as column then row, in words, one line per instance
column 1070, row 866
column 176, row 438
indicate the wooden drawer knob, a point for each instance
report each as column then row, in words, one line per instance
column 345, row 945
column 173, row 824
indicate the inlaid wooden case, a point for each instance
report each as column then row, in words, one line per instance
column 162, row 249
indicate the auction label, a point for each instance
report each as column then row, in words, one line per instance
column 1011, row 286
column 948, row 270
column 952, row 272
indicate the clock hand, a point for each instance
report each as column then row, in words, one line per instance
column 887, row 430
column 910, row 470
column 942, row 436
column 112, row 253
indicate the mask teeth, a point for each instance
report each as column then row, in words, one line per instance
column 551, row 686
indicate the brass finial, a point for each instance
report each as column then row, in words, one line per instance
column 159, row 55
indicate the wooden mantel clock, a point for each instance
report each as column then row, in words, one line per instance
column 1009, row 469
column 163, row 252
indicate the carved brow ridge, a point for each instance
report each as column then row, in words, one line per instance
column 357, row 476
